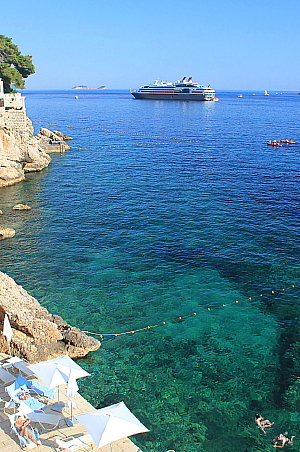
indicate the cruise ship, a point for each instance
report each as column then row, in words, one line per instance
column 184, row 89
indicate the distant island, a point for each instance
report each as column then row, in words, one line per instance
column 86, row 87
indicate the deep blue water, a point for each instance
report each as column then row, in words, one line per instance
column 142, row 223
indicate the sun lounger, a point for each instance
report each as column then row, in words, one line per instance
column 6, row 376
column 10, row 408
column 22, row 439
column 19, row 393
column 46, row 421
column 36, row 388
column 73, row 443
column 21, row 366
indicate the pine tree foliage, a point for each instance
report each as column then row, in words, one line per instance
column 14, row 67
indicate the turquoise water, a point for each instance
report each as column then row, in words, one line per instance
column 140, row 224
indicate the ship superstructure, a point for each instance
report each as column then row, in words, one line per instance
column 184, row 89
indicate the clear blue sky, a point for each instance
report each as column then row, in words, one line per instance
column 229, row 44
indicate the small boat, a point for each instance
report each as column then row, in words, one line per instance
column 274, row 143
column 240, row 95
column 266, row 93
column 288, row 141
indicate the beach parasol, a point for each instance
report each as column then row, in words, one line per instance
column 111, row 423
column 72, row 392
column 7, row 330
column 57, row 371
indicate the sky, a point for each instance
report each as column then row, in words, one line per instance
column 229, row 44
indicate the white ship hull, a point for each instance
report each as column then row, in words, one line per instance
column 173, row 96
column 184, row 89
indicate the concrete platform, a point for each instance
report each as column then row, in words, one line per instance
column 10, row 443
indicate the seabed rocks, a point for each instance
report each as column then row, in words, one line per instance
column 6, row 232
column 21, row 207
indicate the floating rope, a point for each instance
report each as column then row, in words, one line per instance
column 108, row 146
column 187, row 140
column 184, row 317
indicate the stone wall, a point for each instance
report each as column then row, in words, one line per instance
column 16, row 120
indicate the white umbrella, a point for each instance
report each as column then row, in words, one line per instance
column 72, row 392
column 56, row 371
column 111, row 423
column 7, row 330
column 72, row 388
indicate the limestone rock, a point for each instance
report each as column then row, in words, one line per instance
column 44, row 134
column 37, row 334
column 47, row 135
column 62, row 136
column 21, row 207
column 35, row 159
column 6, row 232
column 53, row 141
column 20, row 152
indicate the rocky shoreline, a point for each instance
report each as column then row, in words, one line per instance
column 21, row 152
column 37, row 334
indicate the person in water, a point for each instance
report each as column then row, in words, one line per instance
column 24, row 429
column 262, row 423
column 283, row 439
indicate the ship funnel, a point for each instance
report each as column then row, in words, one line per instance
column 183, row 80
column 190, row 79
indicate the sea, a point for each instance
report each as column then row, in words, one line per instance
column 170, row 232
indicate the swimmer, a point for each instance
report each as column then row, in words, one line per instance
column 284, row 440
column 262, row 423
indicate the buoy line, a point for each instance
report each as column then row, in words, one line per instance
column 187, row 316
column 124, row 145
column 187, row 140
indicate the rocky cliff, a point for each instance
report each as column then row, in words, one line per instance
column 20, row 152
column 37, row 334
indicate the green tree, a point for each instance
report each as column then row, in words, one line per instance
column 14, row 67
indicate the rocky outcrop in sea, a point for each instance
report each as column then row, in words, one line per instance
column 53, row 141
column 37, row 334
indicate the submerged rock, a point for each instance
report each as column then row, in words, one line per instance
column 37, row 334
column 21, row 207
column 6, row 232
